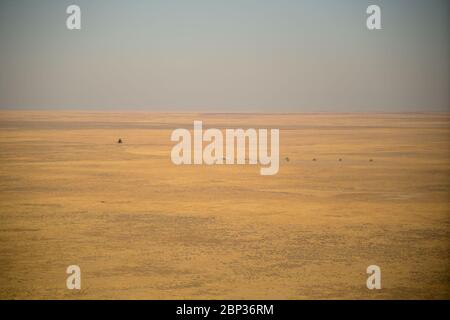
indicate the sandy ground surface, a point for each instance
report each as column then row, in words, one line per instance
column 141, row 227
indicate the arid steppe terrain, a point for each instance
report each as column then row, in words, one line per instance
column 141, row 227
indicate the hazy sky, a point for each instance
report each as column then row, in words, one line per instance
column 225, row 56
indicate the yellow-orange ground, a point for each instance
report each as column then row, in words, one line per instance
column 141, row 227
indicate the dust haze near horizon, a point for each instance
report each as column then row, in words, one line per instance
column 225, row 56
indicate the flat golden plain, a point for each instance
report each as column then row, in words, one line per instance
column 141, row 227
